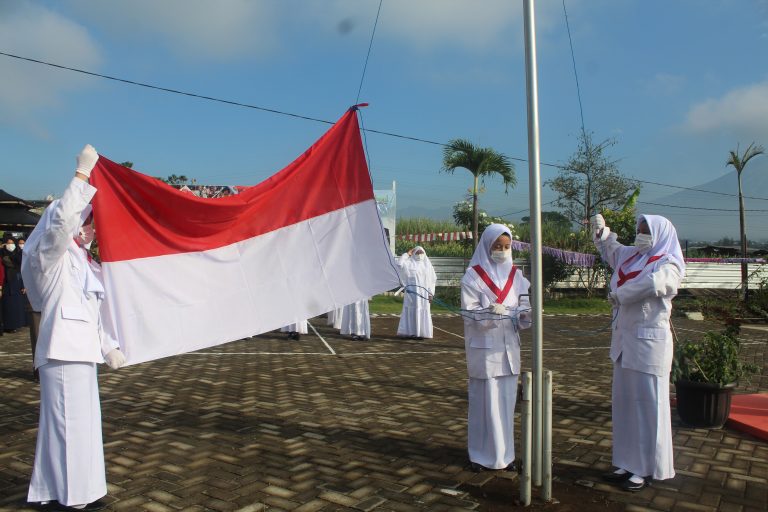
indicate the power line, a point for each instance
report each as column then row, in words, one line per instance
column 697, row 207
column 575, row 74
column 370, row 45
column 309, row 118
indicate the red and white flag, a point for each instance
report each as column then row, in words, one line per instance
column 184, row 273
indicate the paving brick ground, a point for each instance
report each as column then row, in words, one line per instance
column 270, row 424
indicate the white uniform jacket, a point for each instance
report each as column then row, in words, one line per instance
column 641, row 331
column 61, row 287
column 490, row 339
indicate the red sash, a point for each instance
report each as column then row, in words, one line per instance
column 500, row 294
column 623, row 278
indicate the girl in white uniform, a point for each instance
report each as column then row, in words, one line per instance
column 296, row 330
column 645, row 279
column 419, row 278
column 356, row 321
column 494, row 297
column 65, row 285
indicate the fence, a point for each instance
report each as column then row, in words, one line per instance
column 723, row 276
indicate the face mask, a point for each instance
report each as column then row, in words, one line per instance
column 501, row 256
column 643, row 243
column 21, row 247
column 10, row 247
column 87, row 234
column 419, row 256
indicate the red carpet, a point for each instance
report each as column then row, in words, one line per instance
column 749, row 413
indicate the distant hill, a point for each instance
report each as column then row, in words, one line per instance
column 711, row 224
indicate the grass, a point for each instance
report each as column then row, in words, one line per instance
column 390, row 304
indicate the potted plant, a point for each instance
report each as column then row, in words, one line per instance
column 705, row 374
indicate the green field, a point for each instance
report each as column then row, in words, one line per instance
column 389, row 304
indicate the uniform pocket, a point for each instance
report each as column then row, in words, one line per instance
column 74, row 313
column 481, row 342
column 652, row 333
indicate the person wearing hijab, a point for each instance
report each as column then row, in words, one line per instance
column 495, row 304
column 645, row 279
column 13, row 300
column 418, row 276
column 66, row 286
column 356, row 321
column 296, row 330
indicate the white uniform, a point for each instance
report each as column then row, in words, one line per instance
column 419, row 279
column 642, row 348
column 492, row 347
column 356, row 320
column 66, row 288
column 299, row 327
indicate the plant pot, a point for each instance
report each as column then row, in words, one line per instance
column 702, row 404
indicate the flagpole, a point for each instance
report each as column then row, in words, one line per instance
column 534, row 173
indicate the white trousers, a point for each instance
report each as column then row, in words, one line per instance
column 642, row 423
column 69, row 457
column 491, row 421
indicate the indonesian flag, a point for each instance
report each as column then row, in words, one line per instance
column 183, row 273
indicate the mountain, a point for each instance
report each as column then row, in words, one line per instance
column 711, row 223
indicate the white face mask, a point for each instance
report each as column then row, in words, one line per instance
column 10, row 247
column 419, row 257
column 21, row 247
column 643, row 243
column 87, row 234
column 501, row 256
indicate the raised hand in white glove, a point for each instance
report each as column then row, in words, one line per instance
column 599, row 230
column 613, row 298
column 499, row 309
column 115, row 359
column 86, row 160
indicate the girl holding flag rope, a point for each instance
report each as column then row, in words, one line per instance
column 494, row 297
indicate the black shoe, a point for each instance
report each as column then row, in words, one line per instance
column 616, row 478
column 631, row 486
column 476, row 468
column 56, row 506
column 296, row 336
column 356, row 338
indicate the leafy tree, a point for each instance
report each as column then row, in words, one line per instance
column 623, row 222
column 480, row 162
column 553, row 218
column 739, row 162
column 464, row 216
column 590, row 182
column 127, row 164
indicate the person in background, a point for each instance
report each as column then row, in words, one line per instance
column 13, row 299
column 418, row 276
column 494, row 297
column 296, row 330
column 356, row 321
column 65, row 285
column 645, row 278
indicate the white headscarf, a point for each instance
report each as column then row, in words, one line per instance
column 665, row 243
column 92, row 281
column 498, row 272
column 411, row 267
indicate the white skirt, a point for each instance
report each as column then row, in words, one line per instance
column 69, row 457
column 642, row 423
column 300, row 327
column 356, row 320
column 491, row 421
column 416, row 319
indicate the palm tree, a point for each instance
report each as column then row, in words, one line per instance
column 481, row 162
column 739, row 162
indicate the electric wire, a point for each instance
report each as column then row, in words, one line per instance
column 370, row 45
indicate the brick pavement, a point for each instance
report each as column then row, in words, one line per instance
column 270, row 424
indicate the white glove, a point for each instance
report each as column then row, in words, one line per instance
column 499, row 309
column 86, row 160
column 115, row 359
column 613, row 298
column 598, row 222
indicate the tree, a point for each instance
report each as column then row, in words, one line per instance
column 590, row 182
column 739, row 162
column 481, row 162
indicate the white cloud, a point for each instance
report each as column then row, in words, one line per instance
column 198, row 29
column 29, row 30
column 666, row 84
column 743, row 111
column 427, row 24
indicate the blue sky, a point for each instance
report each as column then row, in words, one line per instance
column 678, row 84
